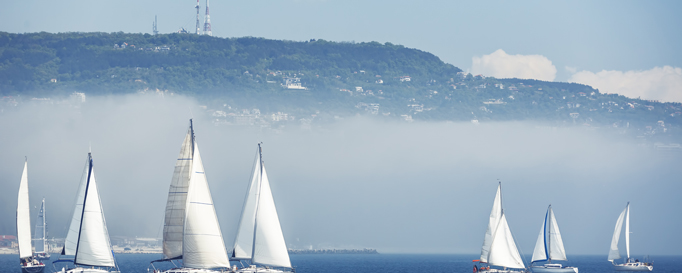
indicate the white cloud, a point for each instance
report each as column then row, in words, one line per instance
column 658, row 83
column 499, row 64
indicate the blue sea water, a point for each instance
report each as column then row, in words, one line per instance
column 373, row 263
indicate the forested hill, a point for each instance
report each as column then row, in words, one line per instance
column 262, row 82
column 185, row 63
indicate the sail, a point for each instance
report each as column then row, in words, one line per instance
column 269, row 247
column 203, row 245
column 556, row 244
column 39, row 232
column 614, row 254
column 495, row 215
column 243, row 242
column 503, row 251
column 627, row 230
column 540, row 251
column 174, row 221
column 24, row 217
column 94, row 248
column 72, row 236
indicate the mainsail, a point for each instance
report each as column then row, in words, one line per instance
column 614, row 253
column 23, row 217
column 203, row 245
column 93, row 247
column 243, row 243
column 495, row 215
column 549, row 243
column 174, row 221
column 71, row 240
column 503, row 251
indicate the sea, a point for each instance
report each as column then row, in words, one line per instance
column 371, row 263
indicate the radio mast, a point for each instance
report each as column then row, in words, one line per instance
column 198, row 28
column 207, row 22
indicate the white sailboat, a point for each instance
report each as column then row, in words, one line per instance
column 191, row 232
column 614, row 253
column 40, row 236
column 259, row 239
column 499, row 248
column 88, row 238
column 550, row 246
column 28, row 263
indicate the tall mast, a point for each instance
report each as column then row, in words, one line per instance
column 627, row 230
column 548, row 232
column 260, row 182
column 198, row 27
column 207, row 22
column 44, row 228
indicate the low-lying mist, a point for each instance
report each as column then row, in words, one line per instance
column 421, row 187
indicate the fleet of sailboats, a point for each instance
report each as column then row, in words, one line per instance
column 259, row 240
column 550, row 246
column 499, row 248
column 192, row 236
column 614, row 253
column 29, row 264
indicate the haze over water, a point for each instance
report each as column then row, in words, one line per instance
column 422, row 187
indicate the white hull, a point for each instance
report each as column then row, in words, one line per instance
column 494, row 270
column 259, row 270
column 543, row 269
column 189, row 270
column 633, row 267
column 87, row 270
column 33, row 268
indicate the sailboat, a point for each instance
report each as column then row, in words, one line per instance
column 614, row 253
column 259, row 239
column 28, row 263
column 550, row 246
column 41, row 248
column 88, row 238
column 191, row 232
column 499, row 248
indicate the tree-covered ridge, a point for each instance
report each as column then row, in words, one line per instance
column 185, row 63
column 261, row 82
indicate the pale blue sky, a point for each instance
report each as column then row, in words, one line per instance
column 584, row 35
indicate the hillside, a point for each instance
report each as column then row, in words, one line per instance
column 316, row 81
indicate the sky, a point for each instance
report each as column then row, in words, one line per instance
column 422, row 187
column 625, row 47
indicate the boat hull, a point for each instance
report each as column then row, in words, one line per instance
column 188, row 270
column 259, row 270
column 87, row 270
column 543, row 269
column 633, row 267
column 33, row 268
column 495, row 270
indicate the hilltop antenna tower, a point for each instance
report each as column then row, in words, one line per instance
column 207, row 22
column 198, row 28
column 156, row 31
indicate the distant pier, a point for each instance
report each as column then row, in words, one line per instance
column 333, row 251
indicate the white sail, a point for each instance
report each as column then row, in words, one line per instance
column 627, row 230
column 203, row 245
column 94, row 248
column 503, row 251
column 174, row 221
column 269, row 247
column 24, row 217
column 614, row 254
column 495, row 215
column 540, row 251
column 556, row 244
column 72, row 236
column 39, row 232
column 243, row 243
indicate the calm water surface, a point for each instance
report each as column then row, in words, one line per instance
column 394, row 263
